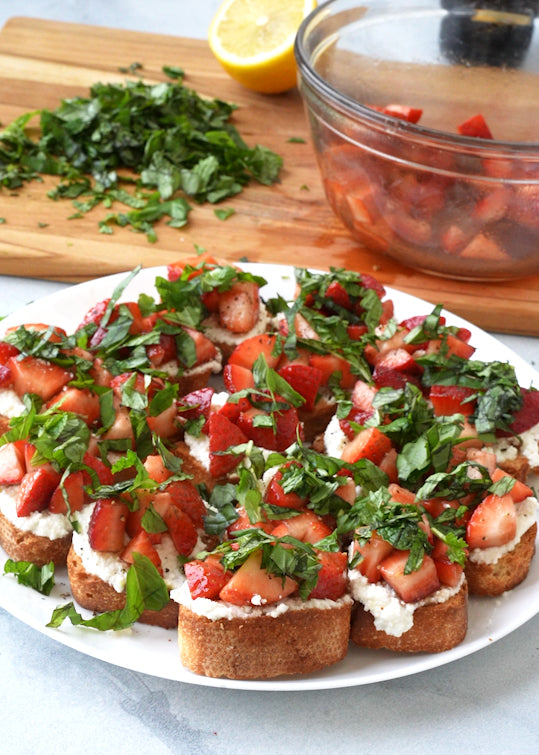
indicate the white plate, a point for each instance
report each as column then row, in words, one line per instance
column 153, row 650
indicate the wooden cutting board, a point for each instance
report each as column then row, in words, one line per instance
column 42, row 62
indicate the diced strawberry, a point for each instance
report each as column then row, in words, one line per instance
column 389, row 465
column 519, row 492
column 307, row 527
column 370, row 443
column 332, row 577
column 449, row 573
column 337, row 293
column 164, row 351
column 247, row 352
column 156, row 468
column 405, row 112
column 106, row 529
column 7, row 350
column 252, row 580
column 121, row 427
column 79, row 401
column 244, row 523
column 481, row 456
column 71, row 489
column 451, row 345
column 493, row 522
column 482, row 247
column 184, row 495
column 103, row 472
column 276, row 496
column 305, row 380
column 205, row 349
column 401, row 495
column 239, row 307
column 329, row 364
column 528, row 415
column 94, row 314
column 355, row 331
column 399, row 360
column 206, row 578
column 196, row 403
column 200, row 263
column 452, row 399
column 222, row 434
column 492, row 206
column 133, row 523
column 36, row 489
column 286, row 424
column 6, row 378
column 237, row 378
column 12, row 463
column 142, row 544
column 373, row 553
column 32, row 375
column 414, row 586
column 165, row 423
column 363, row 395
column 475, row 126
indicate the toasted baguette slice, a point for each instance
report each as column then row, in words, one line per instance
column 225, row 340
column 508, row 572
column 95, row 594
column 300, row 640
column 437, row 627
column 25, row 546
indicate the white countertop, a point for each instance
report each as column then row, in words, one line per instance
column 55, row 698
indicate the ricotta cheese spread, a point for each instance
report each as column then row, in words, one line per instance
column 526, row 444
column 334, row 438
column 40, row 523
column 526, row 517
column 219, row 609
column 109, row 566
column 391, row 614
column 10, row 403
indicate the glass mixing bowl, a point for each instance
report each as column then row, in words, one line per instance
column 425, row 122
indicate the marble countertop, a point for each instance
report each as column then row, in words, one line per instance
column 55, row 698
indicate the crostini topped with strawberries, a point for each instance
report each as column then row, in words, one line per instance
column 285, row 473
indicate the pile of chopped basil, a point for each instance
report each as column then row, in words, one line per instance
column 150, row 147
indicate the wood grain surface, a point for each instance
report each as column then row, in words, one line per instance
column 42, row 62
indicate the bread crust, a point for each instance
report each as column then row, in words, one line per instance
column 508, row 572
column 437, row 627
column 95, row 594
column 262, row 647
column 25, row 546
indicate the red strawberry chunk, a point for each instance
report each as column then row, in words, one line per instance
column 276, row 496
column 32, row 375
column 519, row 492
column 452, row 399
column 414, row 586
column 196, row 403
column 239, row 307
column 206, row 578
column 7, row 350
column 370, row 443
column 142, row 544
column 222, row 435
column 528, row 415
column 248, row 351
column 331, row 582
column 493, row 522
column 307, row 527
column 103, row 472
column 79, row 401
column 36, row 489
column 237, row 378
column 305, row 380
column 184, row 495
column 12, row 463
column 252, row 581
column 329, row 364
column 71, row 489
column 107, row 525
column 475, row 126
column 6, row 378
column 373, row 553
column 277, row 437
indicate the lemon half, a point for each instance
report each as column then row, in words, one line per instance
column 254, row 41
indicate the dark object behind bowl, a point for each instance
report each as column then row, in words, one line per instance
column 491, row 32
